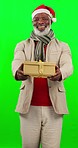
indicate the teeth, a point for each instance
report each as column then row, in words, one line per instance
column 41, row 26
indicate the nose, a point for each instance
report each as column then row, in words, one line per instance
column 40, row 21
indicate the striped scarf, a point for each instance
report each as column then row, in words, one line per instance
column 39, row 53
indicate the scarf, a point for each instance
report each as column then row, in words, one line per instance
column 39, row 53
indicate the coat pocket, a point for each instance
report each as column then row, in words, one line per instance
column 61, row 89
column 22, row 86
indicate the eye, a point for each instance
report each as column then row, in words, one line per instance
column 42, row 18
column 36, row 19
column 45, row 18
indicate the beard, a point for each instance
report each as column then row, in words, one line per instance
column 41, row 33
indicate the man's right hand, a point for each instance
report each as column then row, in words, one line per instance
column 20, row 74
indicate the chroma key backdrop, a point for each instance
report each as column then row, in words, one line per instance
column 15, row 26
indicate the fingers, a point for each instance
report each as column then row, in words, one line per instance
column 21, row 67
column 56, row 77
column 21, row 76
column 20, row 72
column 57, row 69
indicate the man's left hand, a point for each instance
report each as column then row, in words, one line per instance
column 57, row 76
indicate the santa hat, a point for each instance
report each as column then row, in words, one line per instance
column 45, row 9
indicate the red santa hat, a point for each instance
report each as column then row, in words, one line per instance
column 44, row 9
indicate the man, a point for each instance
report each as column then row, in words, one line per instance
column 42, row 101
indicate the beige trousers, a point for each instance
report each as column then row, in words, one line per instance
column 41, row 125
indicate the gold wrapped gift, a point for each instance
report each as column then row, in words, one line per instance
column 39, row 69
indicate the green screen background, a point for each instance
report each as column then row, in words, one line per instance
column 15, row 26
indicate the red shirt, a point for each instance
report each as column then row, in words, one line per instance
column 41, row 93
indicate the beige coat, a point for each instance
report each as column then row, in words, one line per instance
column 58, row 52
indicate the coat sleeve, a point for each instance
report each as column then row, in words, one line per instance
column 19, row 57
column 66, row 66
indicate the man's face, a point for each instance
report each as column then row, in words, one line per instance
column 41, row 21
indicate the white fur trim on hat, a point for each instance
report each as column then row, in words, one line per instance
column 54, row 19
column 41, row 11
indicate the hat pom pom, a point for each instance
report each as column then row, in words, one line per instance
column 54, row 19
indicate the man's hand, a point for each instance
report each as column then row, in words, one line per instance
column 57, row 76
column 20, row 74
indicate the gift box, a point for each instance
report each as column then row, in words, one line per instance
column 39, row 69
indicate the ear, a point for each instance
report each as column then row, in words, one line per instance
column 51, row 21
column 33, row 23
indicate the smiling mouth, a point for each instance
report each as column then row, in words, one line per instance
column 41, row 27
